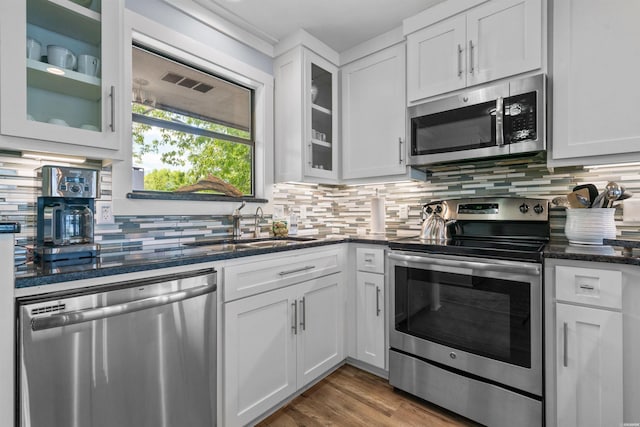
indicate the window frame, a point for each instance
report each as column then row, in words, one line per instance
column 151, row 121
column 140, row 30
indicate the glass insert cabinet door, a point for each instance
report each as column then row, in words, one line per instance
column 321, row 117
column 60, row 68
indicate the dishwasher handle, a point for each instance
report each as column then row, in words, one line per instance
column 80, row 316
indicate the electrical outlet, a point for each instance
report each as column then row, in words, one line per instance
column 104, row 212
column 404, row 212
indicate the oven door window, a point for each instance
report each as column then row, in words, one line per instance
column 454, row 130
column 486, row 316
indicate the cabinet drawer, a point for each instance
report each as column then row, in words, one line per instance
column 602, row 288
column 371, row 260
column 267, row 272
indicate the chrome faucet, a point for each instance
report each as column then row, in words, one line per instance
column 236, row 221
column 259, row 218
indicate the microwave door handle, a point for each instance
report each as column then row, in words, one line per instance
column 500, row 121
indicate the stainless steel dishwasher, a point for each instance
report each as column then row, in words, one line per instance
column 136, row 353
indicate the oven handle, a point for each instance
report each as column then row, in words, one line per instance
column 483, row 266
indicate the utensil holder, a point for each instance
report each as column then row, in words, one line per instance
column 590, row 226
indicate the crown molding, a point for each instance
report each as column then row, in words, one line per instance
column 227, row 23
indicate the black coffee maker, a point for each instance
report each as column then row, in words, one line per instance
column 65, row 213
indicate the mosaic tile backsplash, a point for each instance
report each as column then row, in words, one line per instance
column 347, row 209
column 327, row 210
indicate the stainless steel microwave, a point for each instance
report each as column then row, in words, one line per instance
column 500, row 120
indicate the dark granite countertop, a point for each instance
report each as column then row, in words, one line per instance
column 134, row 260
column 595, row 253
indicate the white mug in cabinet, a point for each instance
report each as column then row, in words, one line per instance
column 61, row 57
column 34, row 49
column 89, row 65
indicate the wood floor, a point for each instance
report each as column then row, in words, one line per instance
column 352, row 397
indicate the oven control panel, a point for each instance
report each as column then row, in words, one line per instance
column 490, row 209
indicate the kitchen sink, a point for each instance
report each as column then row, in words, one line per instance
column 232, row 245
column 270, row 243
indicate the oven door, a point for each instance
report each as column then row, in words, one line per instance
column 479, row 316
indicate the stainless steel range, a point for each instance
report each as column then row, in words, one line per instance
column 466, row 312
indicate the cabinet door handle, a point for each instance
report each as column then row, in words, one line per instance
column 471, row 56
column 310, row 154
column 400, row 149
column 303, row 309
column 294, row 323
column 459, row 60
column 297, row 270
column 112, row 96
column 565, row 345
column 377, row 301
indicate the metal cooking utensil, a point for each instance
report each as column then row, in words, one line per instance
column 597, row 203
column 625, row 193
column 613, row 192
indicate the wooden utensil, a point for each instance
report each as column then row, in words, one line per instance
column 579, row 199
column 593, row 191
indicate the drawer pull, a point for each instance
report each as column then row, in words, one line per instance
column 587, row 287
column 297, row 270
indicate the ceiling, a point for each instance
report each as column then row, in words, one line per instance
column 340, row 24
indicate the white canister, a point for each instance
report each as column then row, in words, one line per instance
column 590, row 226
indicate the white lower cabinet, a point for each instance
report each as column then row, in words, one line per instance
column 370, row 307
column 592, row 322
column 277, row 342
column 589, row 366
column 370, row 318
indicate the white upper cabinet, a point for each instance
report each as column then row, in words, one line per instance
column 436, row 61
column 306, row 117
column 596, row 57
column 373, row 115
column 65, row 94
column 495, row 40
column 504, row 39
